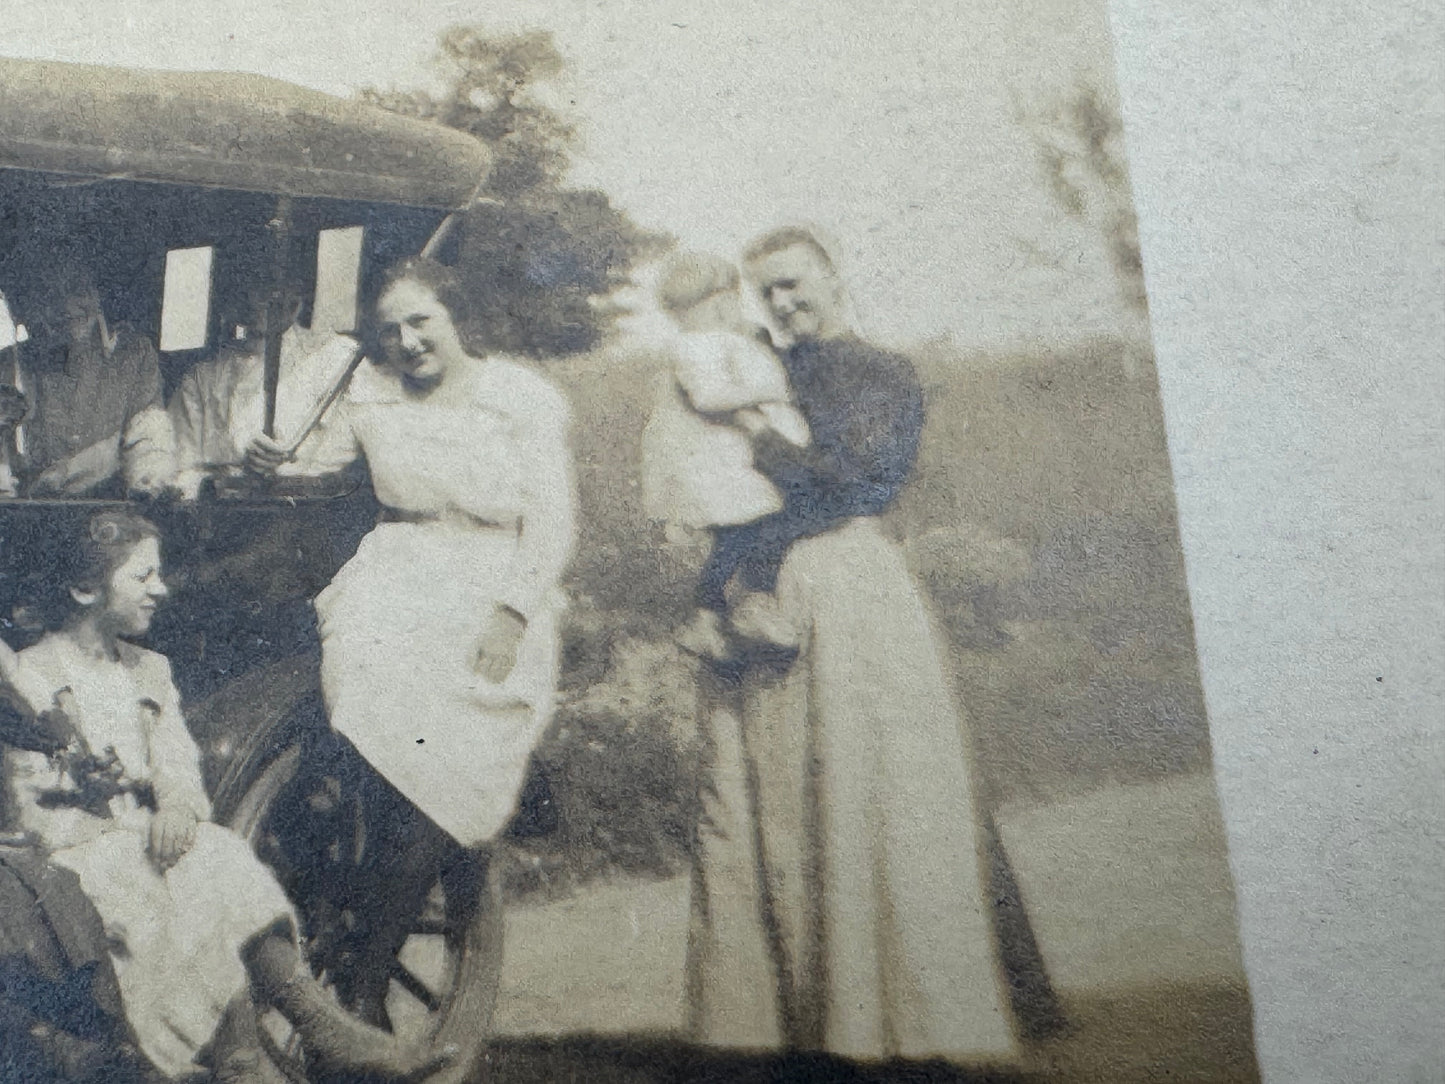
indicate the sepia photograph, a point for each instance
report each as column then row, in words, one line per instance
column 616, row 542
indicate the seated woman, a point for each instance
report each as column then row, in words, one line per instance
column 197, row 925
column 439, row 637
column 96, row 420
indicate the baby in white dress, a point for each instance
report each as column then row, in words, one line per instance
column 724, row 384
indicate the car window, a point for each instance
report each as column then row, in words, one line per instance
column 186, row 299
column 338, row 267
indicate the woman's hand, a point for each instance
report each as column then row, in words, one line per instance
column 759, row 618
column 502, row 636
column 751, row 421
column 173, row 834
column 150, row 485
column 265, row 454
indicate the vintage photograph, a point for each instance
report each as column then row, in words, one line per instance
column 619, row 542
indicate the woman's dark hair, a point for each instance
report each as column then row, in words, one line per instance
column 441, row 280
column 84, row 561
column 105, row 544
column 444, row 282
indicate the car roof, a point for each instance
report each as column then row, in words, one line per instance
column 228, row 130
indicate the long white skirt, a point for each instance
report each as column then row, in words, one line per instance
column 179, row 935
column 859, row 844
column 400, row 627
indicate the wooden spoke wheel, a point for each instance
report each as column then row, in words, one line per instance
column 403, row 925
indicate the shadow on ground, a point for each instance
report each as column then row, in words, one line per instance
column 589, row 1060
column 1163, row 1032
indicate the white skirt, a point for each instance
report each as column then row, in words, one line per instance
column 400, row 628
column 181, row 933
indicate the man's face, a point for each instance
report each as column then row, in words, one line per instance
column 81, row 312
column 801, row 291
column 258, row 303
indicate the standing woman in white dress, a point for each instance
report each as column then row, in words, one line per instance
column 439, row 637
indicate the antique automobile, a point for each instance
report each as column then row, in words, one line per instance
column 187, row 193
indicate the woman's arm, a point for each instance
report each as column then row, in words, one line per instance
column 32, row 708
column 549, row 516
column 175, row 760
column 866, row 431
column 785, row 420
column 21, row 684
column 547, row 527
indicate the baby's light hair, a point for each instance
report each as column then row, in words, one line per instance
column 785, row 237
column 690, row 278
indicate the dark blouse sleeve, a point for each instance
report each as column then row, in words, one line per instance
column 866, row 423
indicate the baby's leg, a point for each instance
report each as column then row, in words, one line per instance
column 730, row 548
column 758, row 569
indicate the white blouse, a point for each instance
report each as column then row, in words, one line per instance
column 490, row 444
column 129, row 705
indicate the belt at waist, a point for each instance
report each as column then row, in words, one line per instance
column 451, row 516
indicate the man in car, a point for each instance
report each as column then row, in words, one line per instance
column 96, row 423
column 219, row 407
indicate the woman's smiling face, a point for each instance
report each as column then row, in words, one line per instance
column 135, row 589
column 418, row 336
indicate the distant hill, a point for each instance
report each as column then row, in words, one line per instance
column 1042, row 519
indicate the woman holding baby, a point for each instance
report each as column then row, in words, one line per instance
column 839, row 898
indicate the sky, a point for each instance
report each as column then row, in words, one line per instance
column 893, row 126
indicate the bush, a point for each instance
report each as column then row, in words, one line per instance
column 619, row 761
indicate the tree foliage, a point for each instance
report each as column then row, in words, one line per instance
column 1079, row 141
column 536, row 253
